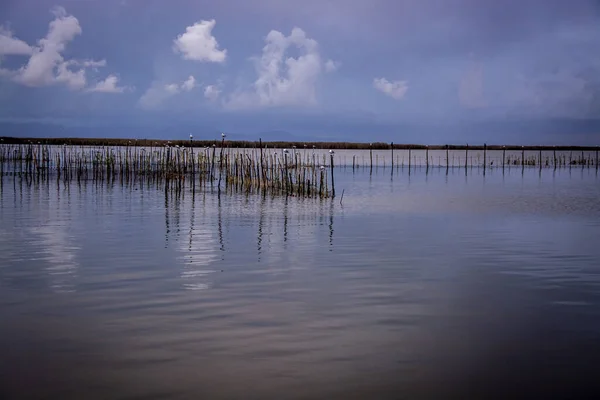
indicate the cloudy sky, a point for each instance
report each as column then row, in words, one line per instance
column 252, row 65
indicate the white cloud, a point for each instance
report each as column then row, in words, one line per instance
column 46, row 58
column 283, row 81
column 198, row 43
column 189, row 84
column 10, row 45
column 46, row 65
column 212, row 92
column 74, row 80
column 109, row 85
column 90, row 63
column 172, row 88
column 158, row 93
column 396, row 89
column 331, row 66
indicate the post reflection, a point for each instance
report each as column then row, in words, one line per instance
column 167, row 225
column 220, row 223
column 261, row 221
column 331, row 210
column 285, row 219
column 280, row 235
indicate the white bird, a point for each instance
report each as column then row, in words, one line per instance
column 223, row 135
column 322, row 167
column 331, row 152
column 286, row 151
column 191, row 136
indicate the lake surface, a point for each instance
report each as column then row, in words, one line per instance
column 422, row 285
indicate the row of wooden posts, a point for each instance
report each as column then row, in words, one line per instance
column 253, row 171
column 557, row 160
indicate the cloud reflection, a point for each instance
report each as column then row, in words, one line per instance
column 198, row 249
column 59, row 252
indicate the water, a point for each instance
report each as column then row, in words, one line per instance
column 428, row 285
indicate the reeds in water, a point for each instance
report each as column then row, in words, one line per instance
column 234, row 170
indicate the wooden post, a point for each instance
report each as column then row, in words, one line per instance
column 503, row 157
column 285, row 166
column 596, row 158
column 570, row 159
column 409, row 159
column 554, row 156
column 392, row 156
column 212, row 164
column 262, row 168
column 221, row 162
column 467, row 156
column 522, row 155
column 447, row 159
column 427, row 157
column 484, row 157
column 332, row 182
column 371, row 156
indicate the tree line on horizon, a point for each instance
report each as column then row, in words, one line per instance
column 272, row 144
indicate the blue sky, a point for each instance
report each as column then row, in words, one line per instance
column 321, row 66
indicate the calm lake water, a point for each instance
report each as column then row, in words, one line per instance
column 428, row 285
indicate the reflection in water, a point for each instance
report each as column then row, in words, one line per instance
column 198, row 254
column 261, row 221
column 446, row 286
column 192, row 216
column 220, row 224
column 54, row 237
column 167, row 225
column 176, row 207
column 199, row 250
column 331, row 208
column 285, row 219
column 38, row 240
column 59, row 252
column 280, row 230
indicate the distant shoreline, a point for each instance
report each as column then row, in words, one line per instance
column 278, row 144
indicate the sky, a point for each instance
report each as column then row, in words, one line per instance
column 354, row 70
